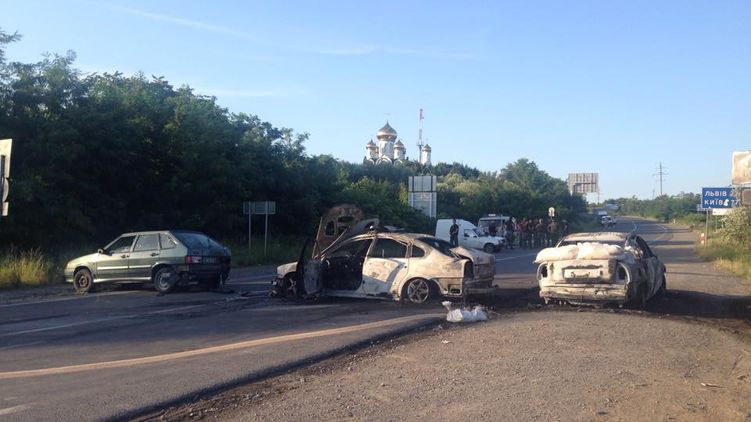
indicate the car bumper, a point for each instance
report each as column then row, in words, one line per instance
column 578, row 293
column 68, row 272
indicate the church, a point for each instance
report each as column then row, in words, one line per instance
column 390, row 150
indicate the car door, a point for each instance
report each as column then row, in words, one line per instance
column 143, row 257
column 113, row 263
column 385, row 265
column 652, row 264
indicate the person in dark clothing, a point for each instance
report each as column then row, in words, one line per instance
column 493, row 230
column 510, row 233
column 454, row 234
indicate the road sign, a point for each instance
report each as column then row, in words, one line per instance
column 746, row 197
column 717, row 198
column 5, row 147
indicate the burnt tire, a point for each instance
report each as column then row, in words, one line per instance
column 419, row 291
column 83, row 282
column 642, row 297
column 488, row 248
column 164, row 280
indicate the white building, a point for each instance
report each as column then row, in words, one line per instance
column 391, row 150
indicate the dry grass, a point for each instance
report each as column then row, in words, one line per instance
column 733, row 259
column 20, row 269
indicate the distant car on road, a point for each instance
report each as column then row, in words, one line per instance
column 600, row 267
column 167, row 258
column 608, row 221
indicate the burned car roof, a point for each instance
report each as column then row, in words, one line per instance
column 597, row 237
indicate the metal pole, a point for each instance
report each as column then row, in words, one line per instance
column 250, row 213
column 266, row 229
column 706, row 228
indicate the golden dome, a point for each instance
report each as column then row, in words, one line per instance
column 399, row 145
column 370, row 144
column 387, row 132
column 427, row 148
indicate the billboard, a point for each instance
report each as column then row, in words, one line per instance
column 583, row 183
column 741, row 168
column 423, row 194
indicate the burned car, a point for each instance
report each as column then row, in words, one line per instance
column 588, row 268
column 366, row 261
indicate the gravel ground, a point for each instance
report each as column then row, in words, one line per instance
column 544, row 365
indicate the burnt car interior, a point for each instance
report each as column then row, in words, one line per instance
column 342, row 268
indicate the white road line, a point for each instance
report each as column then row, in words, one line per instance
column 95, row 321
column 291, row 308
column 664, row 232
column 63, row 299
column 16, row 346
column 246, row 344
column 515, row 257
column 14, row 409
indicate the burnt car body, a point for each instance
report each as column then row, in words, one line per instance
column 602, row 267
column 367, row 262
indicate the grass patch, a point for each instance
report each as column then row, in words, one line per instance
column 730, row 258
column 22, row 269
column 279, row 249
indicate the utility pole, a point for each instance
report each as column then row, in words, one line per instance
column 661, row 174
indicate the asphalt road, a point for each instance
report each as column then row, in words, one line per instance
column 118, row 353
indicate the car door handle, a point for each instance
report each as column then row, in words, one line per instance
column 124, row 256
column 154, row 254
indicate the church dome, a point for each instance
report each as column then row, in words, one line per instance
column 387, row 132
column 427, row 148
column 399, row 145
column 370, row 144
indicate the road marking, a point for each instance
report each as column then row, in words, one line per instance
column 16, row 346
column 63, row 299
column 291, row 308
column 14, row 409
column 664, row 232
column 214, row 349
column 515, row 257
column 95, row 321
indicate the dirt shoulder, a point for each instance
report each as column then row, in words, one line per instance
column 547, row 365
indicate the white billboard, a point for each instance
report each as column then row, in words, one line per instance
column 742, row 167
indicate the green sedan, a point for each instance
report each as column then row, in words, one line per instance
column 166, row 258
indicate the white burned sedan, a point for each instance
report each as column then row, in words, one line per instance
column 600, row 267
column 403, row 266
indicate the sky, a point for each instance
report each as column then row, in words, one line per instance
column 610, row 87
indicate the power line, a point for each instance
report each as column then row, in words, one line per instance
column 661, row 174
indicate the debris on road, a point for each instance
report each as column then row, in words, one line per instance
column 463, row 315
column 706, row 384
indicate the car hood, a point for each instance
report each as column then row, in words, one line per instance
column 86, row 259
column 475, row 256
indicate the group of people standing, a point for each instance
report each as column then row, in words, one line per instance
column 531, row 232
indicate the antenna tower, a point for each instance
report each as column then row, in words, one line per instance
column 419, row 133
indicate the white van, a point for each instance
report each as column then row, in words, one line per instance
column 469, row 235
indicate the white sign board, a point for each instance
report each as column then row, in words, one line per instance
column 742, row 168
column 721, row 211
column 5, row 146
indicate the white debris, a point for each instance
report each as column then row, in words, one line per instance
column 463, row 315
column 586, row 250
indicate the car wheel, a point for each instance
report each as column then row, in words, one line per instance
column 489, row 248
column 83, row 282
column 418, row 290
column 164, row 280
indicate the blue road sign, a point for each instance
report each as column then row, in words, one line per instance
column 717, row 198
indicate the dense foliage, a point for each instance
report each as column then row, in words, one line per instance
column 99, row 154
column 664, row 208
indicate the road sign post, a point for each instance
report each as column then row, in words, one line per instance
column 259, row 207
column 5, row 150
column 715, row 198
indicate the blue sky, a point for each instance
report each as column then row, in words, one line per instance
column 614, row 87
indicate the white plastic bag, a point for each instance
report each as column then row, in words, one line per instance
column 464, row 315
